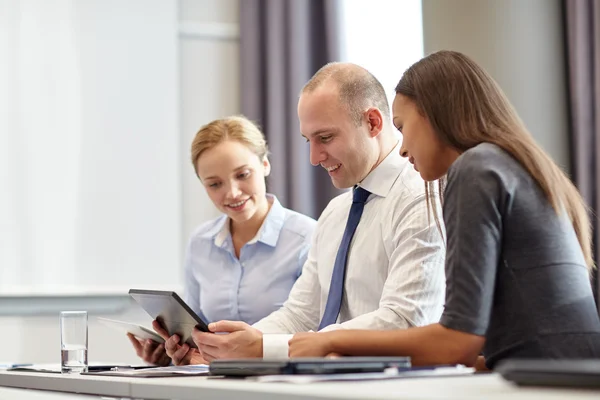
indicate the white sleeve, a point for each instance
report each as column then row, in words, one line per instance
column 300, row 313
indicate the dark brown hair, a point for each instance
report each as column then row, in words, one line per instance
column 466, row 107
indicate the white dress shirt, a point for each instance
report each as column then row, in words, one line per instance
column 395, row 268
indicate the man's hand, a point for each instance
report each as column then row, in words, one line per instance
column 179, row 354
column 150, row 351
column 311, row 344
column 234, row 340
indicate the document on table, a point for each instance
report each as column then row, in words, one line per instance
column 156, row 372
column 56, row 368
column 390, row 373
column 35, row 368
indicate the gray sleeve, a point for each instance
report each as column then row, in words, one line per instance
column 472, row 213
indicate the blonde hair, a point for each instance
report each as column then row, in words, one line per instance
column 237, row 128
column 466, row 107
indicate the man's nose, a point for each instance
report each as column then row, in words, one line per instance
column 316, row 155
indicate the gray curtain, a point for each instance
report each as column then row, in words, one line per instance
column 282, row 44
column 582, row 28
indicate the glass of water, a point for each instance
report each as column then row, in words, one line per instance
column 73, row 342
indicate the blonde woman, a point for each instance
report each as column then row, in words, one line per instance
column 242, row 265
column 518, row 235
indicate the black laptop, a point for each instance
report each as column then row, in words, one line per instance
column 560, row 373
column 304, row 366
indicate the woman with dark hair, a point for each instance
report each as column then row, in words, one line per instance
column 518, row 256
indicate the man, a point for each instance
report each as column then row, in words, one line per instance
column 384, row 273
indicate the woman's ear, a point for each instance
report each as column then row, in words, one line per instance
column 267, row 166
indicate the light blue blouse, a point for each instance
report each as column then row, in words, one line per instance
column 219, row 286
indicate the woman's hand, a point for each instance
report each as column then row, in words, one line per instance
column 311, row 344
column 180, row 354
column 150, row 351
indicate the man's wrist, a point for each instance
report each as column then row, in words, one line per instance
column 330, row 342
column 259, row 347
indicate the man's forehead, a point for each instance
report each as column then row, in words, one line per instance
column 319, row 102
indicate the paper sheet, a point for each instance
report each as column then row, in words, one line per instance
column 390, row 373
column 189, row 370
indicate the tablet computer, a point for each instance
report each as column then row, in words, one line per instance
column 141, row 332
column 171, row 311
column 306, row 366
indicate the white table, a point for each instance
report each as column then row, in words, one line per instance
column 490, row 386
column 28, row 394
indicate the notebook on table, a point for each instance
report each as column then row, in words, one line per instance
column 560, row 373
column 306, row 366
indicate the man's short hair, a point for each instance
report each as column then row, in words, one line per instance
column 358, row 88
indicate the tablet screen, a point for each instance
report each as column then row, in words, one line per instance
column 171, row 311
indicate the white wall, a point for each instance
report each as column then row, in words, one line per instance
column 520, row 43
column 208, row 89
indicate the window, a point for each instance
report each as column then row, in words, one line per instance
column 384, row 36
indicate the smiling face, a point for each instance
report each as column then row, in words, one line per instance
column 420, row 143
column 234, row 178
column 348, row 152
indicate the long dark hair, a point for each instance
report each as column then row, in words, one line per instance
column 466, row 107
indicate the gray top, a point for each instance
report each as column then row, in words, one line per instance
column 515, row 272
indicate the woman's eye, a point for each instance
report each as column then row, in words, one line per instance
column 244, row 175
column 214, row 185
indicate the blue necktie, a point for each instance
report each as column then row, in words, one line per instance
column 336, row 288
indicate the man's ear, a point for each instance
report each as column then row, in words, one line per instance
column 374, row 121
column 267, row 166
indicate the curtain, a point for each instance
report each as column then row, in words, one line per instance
column 582, row 29
column 282, row 44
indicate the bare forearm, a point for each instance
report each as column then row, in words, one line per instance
column 429, row 345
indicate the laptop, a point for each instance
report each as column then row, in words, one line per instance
column 304, row 366
column 583, row 373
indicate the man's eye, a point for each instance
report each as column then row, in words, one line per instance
column 325, row 139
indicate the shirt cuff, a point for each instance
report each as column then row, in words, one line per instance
column 332, row 327
column 275, row 346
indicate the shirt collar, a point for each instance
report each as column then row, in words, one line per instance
column 268, row 233
column 382, row 178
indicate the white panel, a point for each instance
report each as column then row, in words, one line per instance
column 130, row 205
column 97, row 147
column 209, row 10
column 209, row 90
